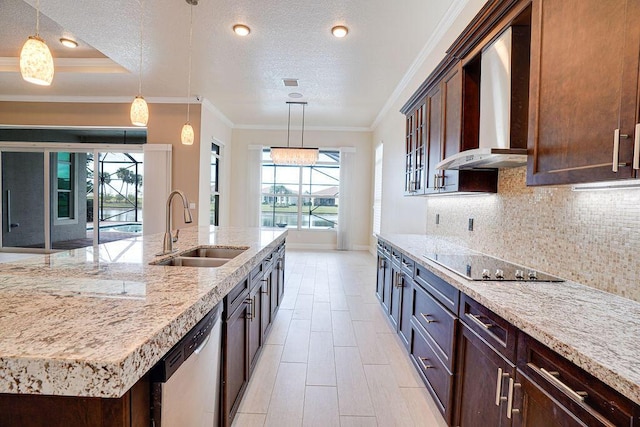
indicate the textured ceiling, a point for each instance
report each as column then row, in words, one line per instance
column 345, row 81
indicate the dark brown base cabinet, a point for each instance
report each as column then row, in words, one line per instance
column 249, row 311
column 131, row 410
column 481, row 370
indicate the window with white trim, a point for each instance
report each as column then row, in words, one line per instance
column 301, row 197
column 65, row 186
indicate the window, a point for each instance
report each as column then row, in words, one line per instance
column 65, row 186
column 301, row 197
column 214, row 205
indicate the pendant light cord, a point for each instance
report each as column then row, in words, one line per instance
column 190, row 56
column 302, row 140
column 289, row 126
column 38, row 18
column 141, row 33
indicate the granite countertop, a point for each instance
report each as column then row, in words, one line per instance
column 596, row 330
column 93, row 321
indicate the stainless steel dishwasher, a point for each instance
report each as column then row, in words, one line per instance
column 185, row 382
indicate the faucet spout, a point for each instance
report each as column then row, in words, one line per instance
column 167, row 245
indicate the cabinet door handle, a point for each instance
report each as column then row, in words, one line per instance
column 399, row 280
column 423, row 361
column 616, row 150
column 553, row 377
column 426, row 319
column 510, row 409
column 249, row 301
column 501, row 376
column 478, row 322
column 636, row 148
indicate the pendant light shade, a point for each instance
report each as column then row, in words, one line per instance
column 139, row 111
column 294, row 156
column 36, row 62
column 297, row 155
column 187, row 134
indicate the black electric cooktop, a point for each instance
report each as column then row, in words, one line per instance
column 485, row 268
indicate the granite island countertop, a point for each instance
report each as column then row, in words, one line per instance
column 596, row 330
column 92, row 321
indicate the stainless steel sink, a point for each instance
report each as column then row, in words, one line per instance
column 181, row 261
column 207, row 256
column 213, row 252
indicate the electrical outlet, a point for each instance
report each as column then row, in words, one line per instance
column 192, row 205
column 470, row 224
column 437, row 219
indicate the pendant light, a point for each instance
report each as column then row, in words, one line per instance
column 139, row 109
column 36, row 62
column 187, row 135
column 297, row 155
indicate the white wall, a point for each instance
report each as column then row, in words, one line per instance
column 214, row 128
column 407, row 214
column 363, row 177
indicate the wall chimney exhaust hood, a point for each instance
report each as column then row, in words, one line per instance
column 503, row 105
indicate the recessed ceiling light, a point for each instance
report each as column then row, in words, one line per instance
column 339, row 31
column 295, row 95
column 66, row 42
column 241, row 30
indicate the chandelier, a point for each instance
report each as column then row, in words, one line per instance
column 294, row 155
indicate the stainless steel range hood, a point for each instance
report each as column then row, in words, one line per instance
column 495, row 136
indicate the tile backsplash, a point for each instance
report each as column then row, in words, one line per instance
column 591, row 237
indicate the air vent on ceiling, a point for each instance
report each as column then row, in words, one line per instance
column 290, row 82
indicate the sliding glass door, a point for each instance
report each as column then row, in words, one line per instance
column 57, row 198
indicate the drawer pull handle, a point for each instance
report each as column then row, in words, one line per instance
column 475, row 319
column 426, row 319
column 423, row 361
column 499, row 396
column 553, row 377
column 510, row 409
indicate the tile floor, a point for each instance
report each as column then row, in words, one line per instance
column 332, row 358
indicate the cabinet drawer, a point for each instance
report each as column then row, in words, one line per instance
column 396, row 256
column 407, row 265
column 580, row 392
column 438, row 322
column 446, row 294
column 499, row 333
column 437, row 377
column 236, row 297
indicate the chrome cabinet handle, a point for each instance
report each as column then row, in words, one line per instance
column 510, row 409
column 553, row 377
column 249, row 301
column 478, row 322
column 426, row 319
column 616, row 150
column 399, row 280
column 424, row 365
column 636, row 148
column 499, row 396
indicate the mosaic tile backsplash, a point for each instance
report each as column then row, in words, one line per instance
column 591, row 237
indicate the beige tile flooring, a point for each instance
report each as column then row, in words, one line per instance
column 332, row 358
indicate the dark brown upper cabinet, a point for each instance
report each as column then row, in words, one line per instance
column 448, row 104
column 583, row 112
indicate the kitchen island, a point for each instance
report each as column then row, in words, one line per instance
column 92, row 322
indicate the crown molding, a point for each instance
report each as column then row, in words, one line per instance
column 441, row 29
column 70, row 65
column 97, row 99
column 306, row 128
column 206, row 104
